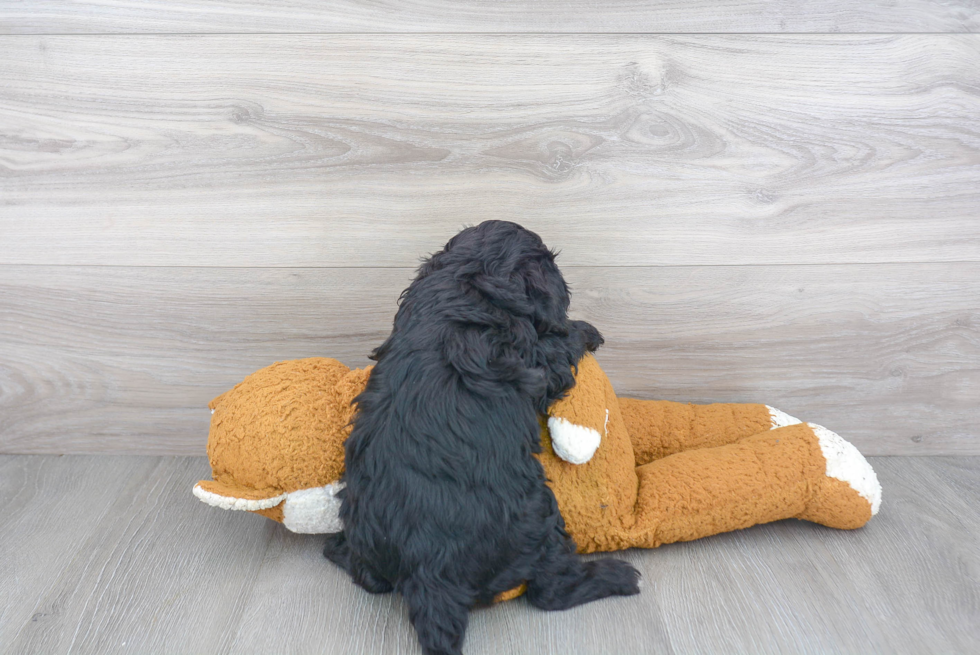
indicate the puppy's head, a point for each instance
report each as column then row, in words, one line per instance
column 518, row 307
column 511, row 268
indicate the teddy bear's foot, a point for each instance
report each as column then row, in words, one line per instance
column 780, row 418
column 849, row 493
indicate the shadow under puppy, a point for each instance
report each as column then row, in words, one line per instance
column 444, row 501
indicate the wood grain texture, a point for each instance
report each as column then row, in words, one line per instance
column 99, row 16
column 112, row 359
column 796, row 587
column 356, row 150
column 113, row 554
column 104, row 549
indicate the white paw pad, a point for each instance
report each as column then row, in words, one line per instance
column 781, row 419
column 846, row 463
column 313, row 511
column 573, row 443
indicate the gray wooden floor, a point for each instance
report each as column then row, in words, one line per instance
column 105, row 554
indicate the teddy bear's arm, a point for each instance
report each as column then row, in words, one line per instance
column 578, row 421
column 315, row 510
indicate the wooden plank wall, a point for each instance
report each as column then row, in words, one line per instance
column 468, row 16
column 789, row 213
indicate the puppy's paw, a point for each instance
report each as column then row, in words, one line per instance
column 336, row 550
column 620, row 578
column 589, row 335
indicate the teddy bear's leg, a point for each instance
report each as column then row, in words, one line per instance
column 847, row 471
column 659, row 428
column 797, row 471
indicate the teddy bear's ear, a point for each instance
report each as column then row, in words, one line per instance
column 315, row 510
column 577, row 422
column 217, row 401
column 218, row 494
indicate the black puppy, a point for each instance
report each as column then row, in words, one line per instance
column 444, row 501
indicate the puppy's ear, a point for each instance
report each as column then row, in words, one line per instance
column 548, row 294
column 503, row 292
column 561, row 355
column 483, row 360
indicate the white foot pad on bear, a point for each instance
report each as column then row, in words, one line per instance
column 846, row 463
column 573, row 443
column 313, row 511
column 781, row 419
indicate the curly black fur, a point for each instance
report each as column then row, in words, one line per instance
column 444, row 501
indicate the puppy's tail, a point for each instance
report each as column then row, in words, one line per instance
column 439, row 614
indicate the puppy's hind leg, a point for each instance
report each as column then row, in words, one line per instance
column 562, row 580
column 338, row 551
column 439, row 614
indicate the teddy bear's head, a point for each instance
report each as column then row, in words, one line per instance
column 276, row 445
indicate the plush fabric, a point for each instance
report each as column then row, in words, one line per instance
column 643, row 472
column 279, row 431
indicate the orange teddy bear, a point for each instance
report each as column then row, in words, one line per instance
column 627, row 473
